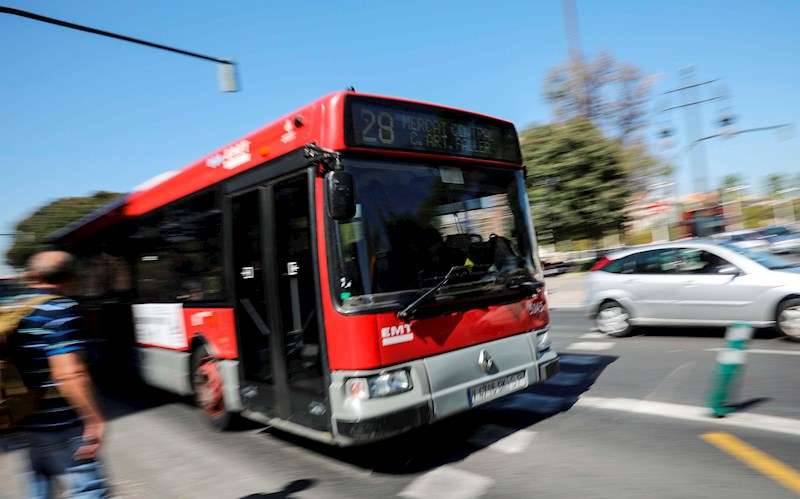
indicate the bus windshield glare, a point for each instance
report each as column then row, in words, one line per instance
column 416, row 221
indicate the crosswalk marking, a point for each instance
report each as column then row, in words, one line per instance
column 515, row 443
column 592, row 336
column 447, row 482
column 591, row 345
column 502, row 439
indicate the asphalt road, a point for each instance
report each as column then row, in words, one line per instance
column 572, row 437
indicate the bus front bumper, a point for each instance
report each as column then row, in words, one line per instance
column 441, row 386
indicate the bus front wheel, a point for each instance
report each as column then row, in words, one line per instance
column 208, row 386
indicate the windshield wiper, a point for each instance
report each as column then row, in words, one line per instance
column 406, row 313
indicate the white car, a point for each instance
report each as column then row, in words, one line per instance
column 693, row 283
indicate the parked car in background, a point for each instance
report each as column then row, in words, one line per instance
column 552, row 269
column 750, row 239
column 783, row 245
column 781, row 239
column 775, row 231
column 693, row 283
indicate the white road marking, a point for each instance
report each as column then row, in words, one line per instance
column 694, row 413
column 502, row 439
column 593, row 346
column 760, row 350
column 515, row 443
column 592, row 336
column 446, row 482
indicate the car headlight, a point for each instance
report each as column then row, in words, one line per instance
column 379, row 385
column 543, row 341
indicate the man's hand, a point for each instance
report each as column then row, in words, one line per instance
column 92, row 439
column 72, row 379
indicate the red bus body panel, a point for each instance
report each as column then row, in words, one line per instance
column 217, row 326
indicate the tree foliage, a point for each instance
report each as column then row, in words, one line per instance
column 611, row 94
column 774, row 183
column 31, row 232
column 731, row 181
column 614, row 96
column 576, row 179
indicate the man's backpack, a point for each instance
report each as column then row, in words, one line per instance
column 16, row 401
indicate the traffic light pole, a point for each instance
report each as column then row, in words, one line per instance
column 227, row 68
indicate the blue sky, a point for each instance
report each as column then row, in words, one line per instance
column 82, row 113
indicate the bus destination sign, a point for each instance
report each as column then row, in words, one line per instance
column 416, row 127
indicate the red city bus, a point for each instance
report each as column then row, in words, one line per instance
column 359, row 267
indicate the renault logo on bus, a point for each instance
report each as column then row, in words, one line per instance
column 485, row 361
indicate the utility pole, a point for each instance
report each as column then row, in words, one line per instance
column 575, row 55
column 694, row 124
column 571, row 28
column 226, row 69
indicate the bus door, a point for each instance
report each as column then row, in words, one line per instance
column 277, row 312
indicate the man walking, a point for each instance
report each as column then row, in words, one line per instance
column 66, row 428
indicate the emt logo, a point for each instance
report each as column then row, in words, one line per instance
column 391, row 335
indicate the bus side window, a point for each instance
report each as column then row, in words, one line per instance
column 196, row 248
column 180, row 252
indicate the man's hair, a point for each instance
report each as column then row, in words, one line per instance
column 51, row 267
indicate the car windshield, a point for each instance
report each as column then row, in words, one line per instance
column 768, row 260
column 414, row 222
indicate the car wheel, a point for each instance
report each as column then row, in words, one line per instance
column 613, row 319
column 788, row 320
column 207, row 384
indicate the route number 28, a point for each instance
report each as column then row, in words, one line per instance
column 377, row 128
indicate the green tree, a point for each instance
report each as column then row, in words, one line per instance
column 774, row 184
column 576, row 179
column 32, row 231
column 731, row 181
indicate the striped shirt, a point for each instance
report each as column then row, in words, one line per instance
column 52, row 328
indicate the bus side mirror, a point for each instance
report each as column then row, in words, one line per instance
column 341, row 195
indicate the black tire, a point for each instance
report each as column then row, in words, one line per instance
column 787, row 309
column 604, row 324
column 208, row 390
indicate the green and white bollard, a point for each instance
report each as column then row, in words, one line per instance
column 730, row 364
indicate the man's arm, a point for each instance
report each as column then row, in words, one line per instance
column 70, row 374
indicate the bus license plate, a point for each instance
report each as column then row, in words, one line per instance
column 498, row 387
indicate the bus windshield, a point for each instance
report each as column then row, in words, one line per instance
column 416, row 221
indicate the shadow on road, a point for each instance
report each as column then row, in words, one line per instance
column 132, row 397
column 287, row 492
column 455, row 438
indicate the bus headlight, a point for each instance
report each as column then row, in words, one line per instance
column 380, row 385
column 543, row 341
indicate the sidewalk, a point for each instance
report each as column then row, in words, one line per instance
column 566, row 291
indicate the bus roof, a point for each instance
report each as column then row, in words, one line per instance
column 318, row 122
